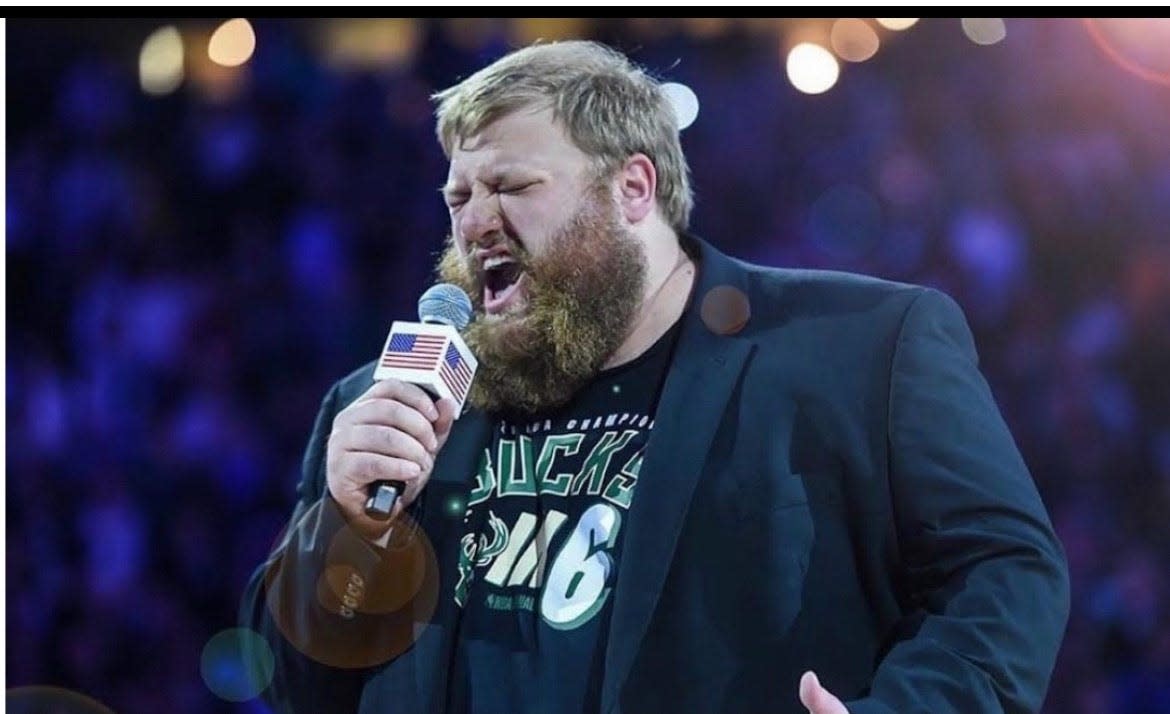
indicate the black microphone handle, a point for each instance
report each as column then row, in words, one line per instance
column 383, row 495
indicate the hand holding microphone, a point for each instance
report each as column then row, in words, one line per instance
column 383, row 446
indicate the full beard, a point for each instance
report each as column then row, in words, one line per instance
column 581, row 295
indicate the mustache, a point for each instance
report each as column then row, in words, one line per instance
column 464, row 269
column 514, row 245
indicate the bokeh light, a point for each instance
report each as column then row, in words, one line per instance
column 401, row 590
column 526, row 30
column 232, row 43
column 984, row 30
column 725, row 310
column 1137, row 45
column 897, row 23
column 684, row 102
column 853, row 40
column 353, row 43
column 811, row 68
column 50, row 700
column 160, row 62
column 237, row 664
column 456, row 506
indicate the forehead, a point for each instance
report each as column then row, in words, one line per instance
column 523, row 139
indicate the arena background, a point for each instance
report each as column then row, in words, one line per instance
column 196, row 251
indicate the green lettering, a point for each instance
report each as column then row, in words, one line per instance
column 597, row 463
column 620, row 490
column 567, row 444
column 485, row 480
column 510, row 485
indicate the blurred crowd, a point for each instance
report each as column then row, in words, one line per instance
column 188, row 274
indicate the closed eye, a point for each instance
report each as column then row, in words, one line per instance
column 455, row 200
column 516, row 188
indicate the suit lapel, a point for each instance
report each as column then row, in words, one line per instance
column 702, row 376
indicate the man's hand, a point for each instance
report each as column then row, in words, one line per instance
column 391, row 432
column 817, row 699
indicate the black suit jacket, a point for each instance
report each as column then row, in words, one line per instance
column 831, row 487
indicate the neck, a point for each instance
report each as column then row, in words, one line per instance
column 669, row 278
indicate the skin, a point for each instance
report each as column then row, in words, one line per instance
column 393, row 431
column 816, row 698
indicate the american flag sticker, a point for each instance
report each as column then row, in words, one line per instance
column 455, row 373
column 433, row 357
column 408, row 350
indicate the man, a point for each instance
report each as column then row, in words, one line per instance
column 687, row 484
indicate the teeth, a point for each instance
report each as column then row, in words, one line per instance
column 497, row 260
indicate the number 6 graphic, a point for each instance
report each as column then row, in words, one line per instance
column 580, row 578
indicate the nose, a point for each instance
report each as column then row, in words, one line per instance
column 479, row 220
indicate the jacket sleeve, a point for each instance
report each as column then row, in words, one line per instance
column 985, row 573
column 307, row 601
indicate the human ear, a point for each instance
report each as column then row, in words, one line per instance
column 637, row 188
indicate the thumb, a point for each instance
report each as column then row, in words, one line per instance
column 817, row 699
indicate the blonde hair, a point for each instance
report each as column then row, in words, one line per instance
column 610, row 108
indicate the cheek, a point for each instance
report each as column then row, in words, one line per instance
column 533, row 225
column 457, row 233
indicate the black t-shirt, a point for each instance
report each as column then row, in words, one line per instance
column 544, row 534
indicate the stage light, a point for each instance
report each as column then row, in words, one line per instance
column 684, row 102
column 811, row 68
column 897, row 23
column 232, row 43
column 853, row 40
column 984, row 30
column 160, row 62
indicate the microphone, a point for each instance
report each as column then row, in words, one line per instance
column 431, row 354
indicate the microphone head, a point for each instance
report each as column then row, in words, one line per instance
column 447, row 304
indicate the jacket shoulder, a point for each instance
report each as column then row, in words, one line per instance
column 785, row 295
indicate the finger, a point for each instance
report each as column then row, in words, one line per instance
column 816, row 698
column 390, row 413
column 405, row 392
column 384, row 440
column 363, row 468
column 447, row 414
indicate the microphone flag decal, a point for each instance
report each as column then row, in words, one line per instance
column 433, row 356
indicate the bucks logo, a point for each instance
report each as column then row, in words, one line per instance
column 470, row 547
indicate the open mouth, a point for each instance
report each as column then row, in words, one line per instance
column 501, row 279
